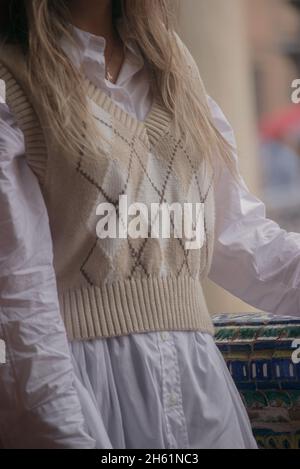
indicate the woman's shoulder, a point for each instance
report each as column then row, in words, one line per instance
column 221, row 121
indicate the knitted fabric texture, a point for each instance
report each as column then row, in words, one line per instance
column 114, row 287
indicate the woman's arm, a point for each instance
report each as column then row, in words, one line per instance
column 254, row 258
column 39, row 407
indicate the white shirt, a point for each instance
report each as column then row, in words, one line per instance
column 253, row 259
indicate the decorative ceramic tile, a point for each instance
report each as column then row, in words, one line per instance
column 262, row 356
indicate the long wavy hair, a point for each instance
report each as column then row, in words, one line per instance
column 38, row 25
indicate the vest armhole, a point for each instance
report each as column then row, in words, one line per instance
column 28, row 121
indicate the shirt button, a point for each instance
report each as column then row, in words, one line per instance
column 164, row 336
column 173, row 399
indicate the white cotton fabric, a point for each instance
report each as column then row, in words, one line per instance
column 160, row 390
column 154, row 390
column 39, row 406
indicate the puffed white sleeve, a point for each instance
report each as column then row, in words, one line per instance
column 254, row 259
column 39, row 406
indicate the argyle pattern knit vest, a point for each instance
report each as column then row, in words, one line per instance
column 114, row 287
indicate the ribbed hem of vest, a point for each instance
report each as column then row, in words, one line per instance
column 135, row 306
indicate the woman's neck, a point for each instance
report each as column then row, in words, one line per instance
column 93, row 16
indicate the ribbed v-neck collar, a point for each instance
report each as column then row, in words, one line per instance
column 150, row 130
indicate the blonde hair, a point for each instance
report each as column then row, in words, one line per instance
column 152, row 24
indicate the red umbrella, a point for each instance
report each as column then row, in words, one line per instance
column 281, row 124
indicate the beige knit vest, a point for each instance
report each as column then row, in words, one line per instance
column 116, row 287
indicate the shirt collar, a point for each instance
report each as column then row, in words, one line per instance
column 86, row 52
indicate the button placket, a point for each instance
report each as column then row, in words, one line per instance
column 172, row 395
column 164, row 336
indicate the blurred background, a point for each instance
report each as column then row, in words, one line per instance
column 248, row 52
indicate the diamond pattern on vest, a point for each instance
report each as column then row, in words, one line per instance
column 149, row 175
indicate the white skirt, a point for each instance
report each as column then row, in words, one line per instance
column 160, row 391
